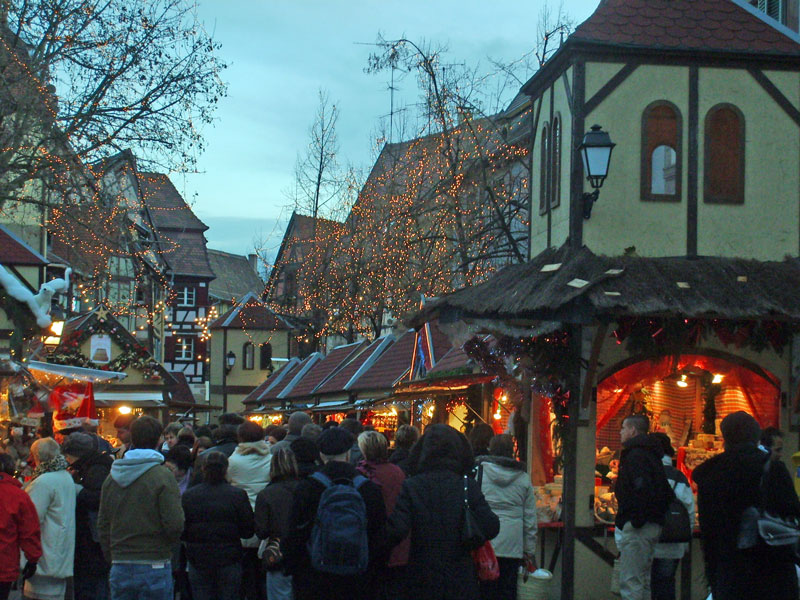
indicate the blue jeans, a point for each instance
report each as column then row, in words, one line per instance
column 219, row 583
column 141, row 582
column 662, row 578
column 279, row 586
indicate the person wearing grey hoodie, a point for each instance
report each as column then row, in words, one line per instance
column 140, row 519
column 510, row 494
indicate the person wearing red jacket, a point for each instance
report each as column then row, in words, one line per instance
column 19, row 528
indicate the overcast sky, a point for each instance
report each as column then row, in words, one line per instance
column 281, row 52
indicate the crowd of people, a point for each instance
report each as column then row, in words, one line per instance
column 306, row 511
column 748, row 476
column 238, row 511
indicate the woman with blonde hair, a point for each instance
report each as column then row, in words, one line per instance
column 389, row 478
column 54, row 495
column 273, row 505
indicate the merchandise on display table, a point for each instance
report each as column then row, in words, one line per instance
column 548, row 500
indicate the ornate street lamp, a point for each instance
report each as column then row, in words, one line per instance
column 596, row 154
column 230, row 360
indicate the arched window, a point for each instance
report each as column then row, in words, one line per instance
column 723, row 176
column 555, row 163
column 265, row 356
column 544, row 173
column 661, row 152
column 248, row 356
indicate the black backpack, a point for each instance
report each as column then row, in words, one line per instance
column 677, row 524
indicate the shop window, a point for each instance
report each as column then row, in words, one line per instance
column 544, row 169
column 555, row 163
column 265, row 358
column 661, row 153
column 724, row 156
column 248, row 354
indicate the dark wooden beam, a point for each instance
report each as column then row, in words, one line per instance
column 609, row 87
column 576, row 165
column 775, row 94
column 692, row 162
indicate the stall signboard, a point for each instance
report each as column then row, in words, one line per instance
column 100, row 348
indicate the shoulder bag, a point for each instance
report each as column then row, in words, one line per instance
column 757, row 524
column 486, row 566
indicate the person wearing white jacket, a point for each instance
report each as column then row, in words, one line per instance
column 508, row 490
column 667, row 556
column 54, row 494
column 248, row 469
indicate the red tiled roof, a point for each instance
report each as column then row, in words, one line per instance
column 391, row 366
column 14, row 251
column 253, row 315
column 339, row 380
column 719, row 25
column 289, row 368
column 455, row 358
column 324, row 368
column 167, row 207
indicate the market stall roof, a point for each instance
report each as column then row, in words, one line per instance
column 439, row 386
column 76, row 373
column 335, row 406
column 134, row 399
column 575, row 285
column 322, row 370
column 345, row 377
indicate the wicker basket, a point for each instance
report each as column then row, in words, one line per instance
column 535, row 588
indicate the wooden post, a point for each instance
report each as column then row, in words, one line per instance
column 569, row 449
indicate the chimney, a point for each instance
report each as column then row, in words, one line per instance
column 253, row 260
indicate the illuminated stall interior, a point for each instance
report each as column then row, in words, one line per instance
column 686, row 398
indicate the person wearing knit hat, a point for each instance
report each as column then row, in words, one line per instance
column 727, row 484
column 740, row 428
column 309, row 583
column 306, row 454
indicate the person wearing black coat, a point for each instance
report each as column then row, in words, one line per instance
column 726, row 485
column 643, row 495
column 217, row 517
column 273, row 507
column 431, row 508
column 310, row 584
column 89, row 467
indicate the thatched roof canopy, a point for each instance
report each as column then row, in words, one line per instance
column 576, row 286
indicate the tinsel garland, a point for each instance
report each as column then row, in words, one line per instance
column 658, row 337
column 548, row 360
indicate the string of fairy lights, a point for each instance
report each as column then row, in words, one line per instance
column 420, row 225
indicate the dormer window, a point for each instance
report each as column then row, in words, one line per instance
column 723, row 175
column 661, row 153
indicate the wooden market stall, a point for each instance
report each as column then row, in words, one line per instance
column 590, row 339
